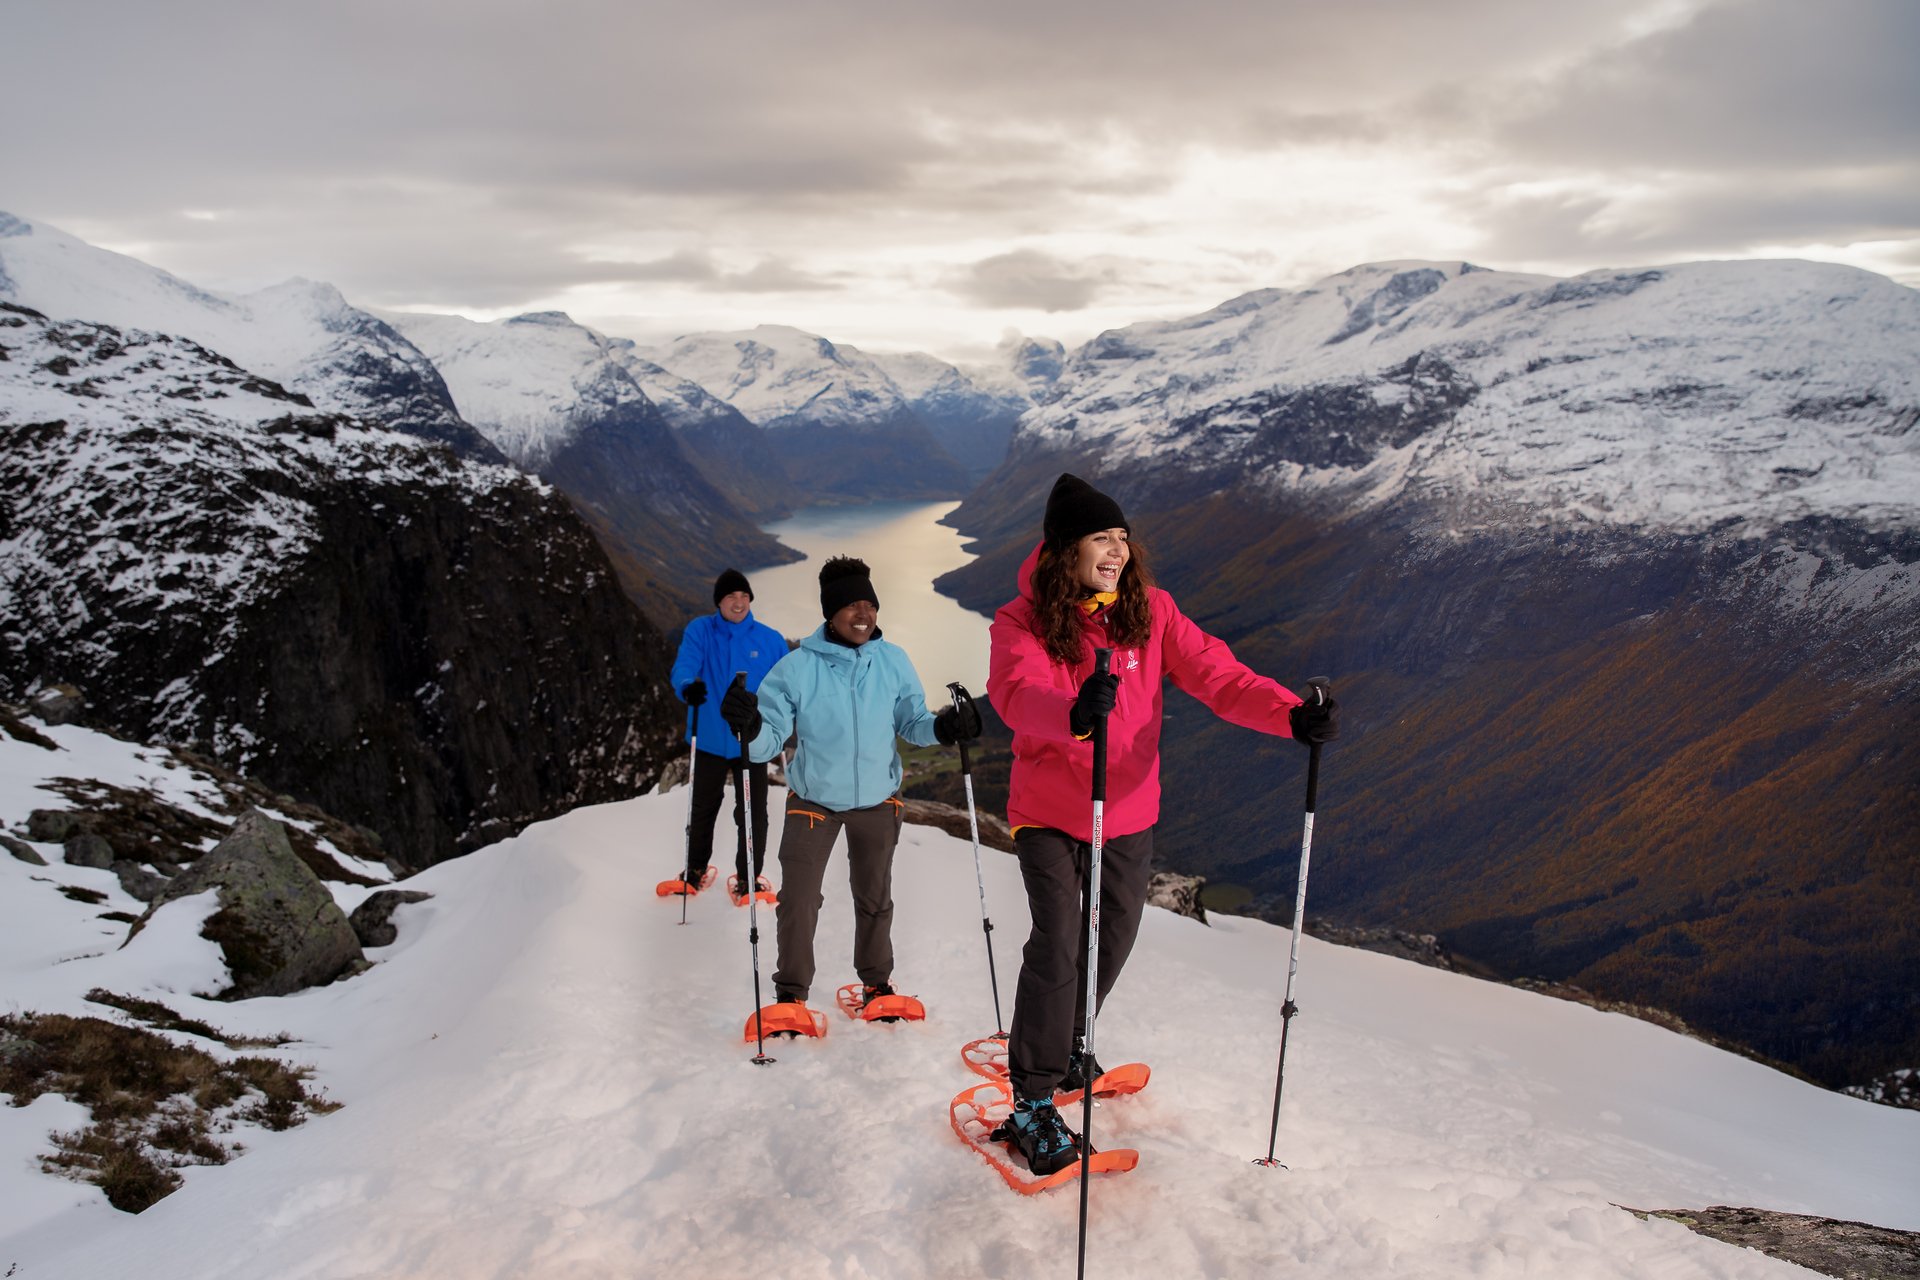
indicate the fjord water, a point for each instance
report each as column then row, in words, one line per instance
column 907, row 549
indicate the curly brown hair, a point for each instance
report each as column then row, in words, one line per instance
column 1057, row 595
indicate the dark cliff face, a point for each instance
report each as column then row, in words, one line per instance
column 668, row 529
column 446, row 672
column 1659, row 767
column 429, row 646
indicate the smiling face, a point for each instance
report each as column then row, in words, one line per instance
column 1099, row 558
column 856, row 623
column 734, row 605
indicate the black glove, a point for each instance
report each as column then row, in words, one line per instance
column 958, row 723
column 694, row 694
column 1097, row 694
column 741, row 710
column 1313, row 725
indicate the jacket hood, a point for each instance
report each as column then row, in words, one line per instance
column 1027, row 566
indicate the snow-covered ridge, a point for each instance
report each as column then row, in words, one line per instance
column 157, row 486
column 1680, row 398
column 529, row 383
column 780, row 376
column 522, row 1095
column 299, row 333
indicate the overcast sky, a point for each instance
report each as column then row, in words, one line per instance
column 900, row 174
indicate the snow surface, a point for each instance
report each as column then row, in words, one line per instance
column 1676, row 398
column 544, row 1077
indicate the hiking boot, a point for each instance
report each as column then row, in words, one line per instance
column 1082, row 1070
column 1039, row 1134
column 870, row 994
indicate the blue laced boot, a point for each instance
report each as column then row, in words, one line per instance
column 1036, row 1129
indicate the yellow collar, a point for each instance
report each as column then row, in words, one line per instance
column 1098, row 600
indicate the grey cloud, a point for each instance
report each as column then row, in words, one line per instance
column 1700, row 216
column 1027, row 279
column 1746, row 85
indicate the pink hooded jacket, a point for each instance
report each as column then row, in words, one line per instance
column 1052, row 782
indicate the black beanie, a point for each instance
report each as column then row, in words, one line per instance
column 1076, row 509
column 729, row 582
column 843, row 580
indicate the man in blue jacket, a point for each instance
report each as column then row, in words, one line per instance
column 847, row 695
column 712, row 650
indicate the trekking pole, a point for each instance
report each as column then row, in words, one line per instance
column 760, row 1058
column 1319, row 693
column 960, row 695
column 1101, row 657
column 686, row 864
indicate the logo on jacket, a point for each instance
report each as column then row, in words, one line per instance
column 1133, row 660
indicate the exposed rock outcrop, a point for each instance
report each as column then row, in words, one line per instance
column 994, row 833
column 278, row 927
column 372, row 920
column 1177, row 893
column 1831, row 1246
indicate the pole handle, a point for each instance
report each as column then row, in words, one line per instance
column 1319, row 691
column 958, row 692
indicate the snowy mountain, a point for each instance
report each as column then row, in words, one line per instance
column 1682, row 399
column 300, row 334
column 719, row 440
column 544, row 1076
column 841, row 427
column 562, row 400
column 352, row 613
column 1618, row 579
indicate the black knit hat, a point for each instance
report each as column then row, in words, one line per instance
column 843, row 579
column 1076, row 509
column 729, row 582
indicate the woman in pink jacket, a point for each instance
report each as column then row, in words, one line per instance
column 1086, row 586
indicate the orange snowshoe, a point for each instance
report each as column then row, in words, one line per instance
column 855, row 1002
column 678, row 887
column 763, row 892
column 979, row 1110
column 987, row 1058
column 785, row 1018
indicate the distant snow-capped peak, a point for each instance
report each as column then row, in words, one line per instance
column 303, row 335
column 530, row 383
column 1681, row 397
column 779, row 376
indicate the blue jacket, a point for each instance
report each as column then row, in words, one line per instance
column 713, row 649
column 847, row 705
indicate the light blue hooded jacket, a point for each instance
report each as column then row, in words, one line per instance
column 847, row 706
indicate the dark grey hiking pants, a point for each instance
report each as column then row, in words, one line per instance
column 1050, row 1003
column 805, row 843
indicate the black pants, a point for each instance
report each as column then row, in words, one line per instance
column 1050, row 1004
column 710, row 774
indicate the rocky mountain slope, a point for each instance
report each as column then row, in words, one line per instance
column 562, row 401
column 1617, row 579
column 424, row 644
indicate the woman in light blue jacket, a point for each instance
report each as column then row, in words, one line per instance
column 845, row 695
